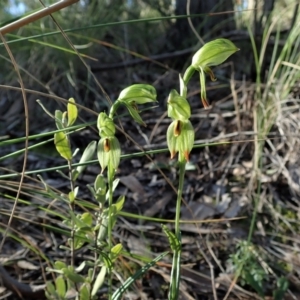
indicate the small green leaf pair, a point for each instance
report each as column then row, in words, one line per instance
column 63, row 121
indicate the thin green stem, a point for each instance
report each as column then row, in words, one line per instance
column 179, row 195
column 189, row 72
column 72, row 203
column 175, row 273
column 72, row 208
column 113, row 109
column 110, row 24
column 110, row 175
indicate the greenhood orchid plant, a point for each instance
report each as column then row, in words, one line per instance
column 83, row 227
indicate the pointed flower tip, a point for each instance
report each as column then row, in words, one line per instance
column 173, row 153
column 205, row 103
column 211, row 74
column 213, row 79
column 187, row 155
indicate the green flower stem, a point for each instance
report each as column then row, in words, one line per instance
column 71, row 205
column 188, row 75
column 113, row 109
column 72, row 208
column 175, row 274
column 182, row 163
column 110, row 177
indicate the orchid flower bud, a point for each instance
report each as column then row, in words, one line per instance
column 105, row 125
column 178, row 107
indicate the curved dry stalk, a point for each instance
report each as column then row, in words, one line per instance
column 23, row 290
column 36, row 16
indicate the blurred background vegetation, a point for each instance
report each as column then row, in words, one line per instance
column 152, row 41
column 119, row 52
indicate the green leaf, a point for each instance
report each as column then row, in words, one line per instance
column 77, row 219
column 175, row 274
column 86, row 156
column 106, row 260
column 59, row 119
column 64, row 120
column 100, row 184
column 100, row 189
column 71, row 196
column 257, row 285
column 126, row 285
column 72, row 275
column 282, row 287
column 62, row 145
column 92, row 191
column 173, row 240
column 87, row 219
column 135, row 113
column 72, row 112
column 120, row 203
column 99, row 280
column 59, row 265
column 115, row 184
column 102, row 234
column 84, row 291
column 51, row 288
column 115, row 251
column 79, row 240
column 60, row 286
column 81, row 266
